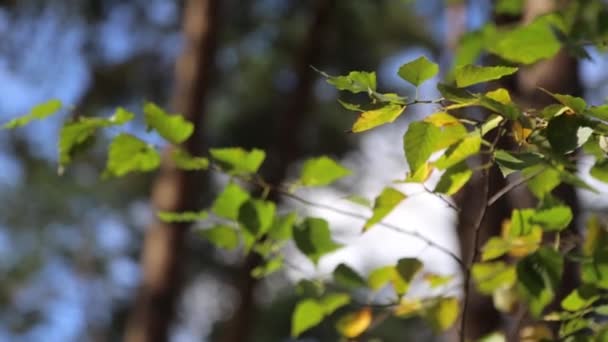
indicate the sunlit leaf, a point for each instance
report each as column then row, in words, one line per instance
column 527, row 44
column 453, row 179
column 185, row 216
column 313, row 238
column 467, row 75
column 269, row 267
column 575, row 103
column 376, row 117
column 580, row 298
column 129, row 154
column 469, row 146
column 418, row 70
column 282, row 227
column 554, row 218
column 442, row 314
column 238, row 161
column 322, row 171
column 307, row 314
column 383, row 205
column 355, row 81
column 489, row 276
column 256, row 216
column 544, row 179
column 78, row 133
column 173, row 127
column 419, row 142
column 228, row 202
column 221, row 236
column 333, row 302
column 184, row 161
column 436, row 280
column 38, row 112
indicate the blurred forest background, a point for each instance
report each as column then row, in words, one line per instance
column 70, row 245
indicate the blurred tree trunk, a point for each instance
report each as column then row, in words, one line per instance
column 292, row 114
column 175, row 190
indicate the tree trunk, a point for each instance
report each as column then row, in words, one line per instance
column 240, row 328
column 175, row 190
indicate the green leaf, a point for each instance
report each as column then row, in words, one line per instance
column 174, row 127
column 228, row 202
column 598, row 112
column 442, row 314
column 376, row 117
column 467, row 75
column 322, row 171
column 572, row 326
column 184, row 161
column 384, row 204
column 539, row 276
column 580, row 298
column 407, row 268
column 238, row 161
column 390, row 98
column 526, row 44
column 490, row 276
column 129, row 154
column 355, row 81
column 360, row 200
column 595, row 270
column 38, row 112
column 494, row 248
column 350, row 106
column 418, row 71
column 333, row 302
column 185, row 216
column 521, row 224
column 546, row 179
column 562, row 133
column 457, row 95
column 282, row 227
column 469, row 146
column 599, row 170
column 76, row 134
column 267, row 268
column 554, row 218
column 381, row 276
column 307, row 314
column 419, row 142
column 313, row 238
column 576, row 104
column 509, row 7
column 221, row 236
column 510, row 162
column 453, row 179
column 256, row 216
column 345, row 276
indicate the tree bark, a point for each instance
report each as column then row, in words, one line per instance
column 175, row 190
column 293, row 113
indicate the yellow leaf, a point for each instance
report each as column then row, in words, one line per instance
column 505, row 299
column 441, row 119
column 535, row 333
column 501, row 95
column 355, row 323
column 370, row 119
column 520, row 133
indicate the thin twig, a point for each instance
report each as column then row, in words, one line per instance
column 500, row 193
column 395, row 228
column 443, row 199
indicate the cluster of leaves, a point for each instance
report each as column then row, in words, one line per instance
column 522, row 267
